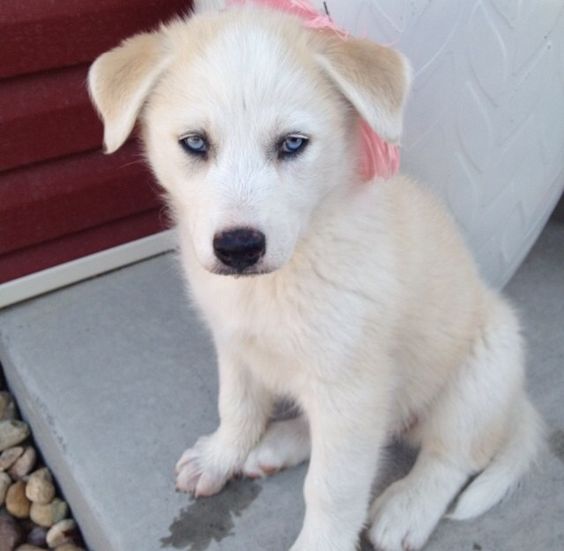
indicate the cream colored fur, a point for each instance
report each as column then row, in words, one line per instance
column 367, row 311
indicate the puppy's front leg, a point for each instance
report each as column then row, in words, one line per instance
column 244, row 409
column 347, row 420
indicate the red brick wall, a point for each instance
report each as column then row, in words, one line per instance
column 60, row 198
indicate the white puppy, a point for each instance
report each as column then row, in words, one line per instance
column 360, row 301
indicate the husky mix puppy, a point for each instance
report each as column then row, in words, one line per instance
column 354, row 297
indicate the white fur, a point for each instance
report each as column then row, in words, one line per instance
column 284, row 444
column 369, row 312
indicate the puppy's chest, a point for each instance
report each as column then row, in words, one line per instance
column 274, row 336
column 279, row 323
column 285, row 331
column 275, row 325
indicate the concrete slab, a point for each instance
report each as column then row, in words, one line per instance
column 116, row 376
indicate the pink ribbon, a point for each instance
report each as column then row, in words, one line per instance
column 301, row 9
column 379, row 159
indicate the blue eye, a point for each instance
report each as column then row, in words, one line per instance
column 292, row 145
column 195, row 144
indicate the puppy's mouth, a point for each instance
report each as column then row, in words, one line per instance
column 250, row 271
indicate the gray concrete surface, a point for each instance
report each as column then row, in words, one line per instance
column 116, row 376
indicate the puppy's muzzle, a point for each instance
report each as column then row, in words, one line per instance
column 239, row 248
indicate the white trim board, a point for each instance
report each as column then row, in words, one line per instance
column 83, row 268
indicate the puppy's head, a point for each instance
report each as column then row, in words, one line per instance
column 249, row 121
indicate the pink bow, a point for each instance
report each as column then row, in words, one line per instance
column 379, row 159
column 301, row 9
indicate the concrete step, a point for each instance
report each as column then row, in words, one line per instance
column 116, row 376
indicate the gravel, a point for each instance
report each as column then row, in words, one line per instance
column 32, row 516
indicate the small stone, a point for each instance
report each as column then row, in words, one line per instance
column 7, row 407
column 68, row 547
column 12, row 433
column 16, row 503
column 11, row 535
column 24, row 464
column 62, row 532
column 47, row 515
column 40, row 488
column 9, row 457
column 5, row 483
column 29, row 547
column 37, row 536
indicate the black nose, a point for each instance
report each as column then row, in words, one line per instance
column 239, row 248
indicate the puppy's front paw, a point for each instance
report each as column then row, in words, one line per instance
column 204, row 469
column 402, row 519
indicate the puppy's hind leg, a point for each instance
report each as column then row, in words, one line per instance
column 465, row 431
column 524, row 439
column 285, row 444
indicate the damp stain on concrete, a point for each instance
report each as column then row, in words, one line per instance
column 556, row 443
column 208, row 520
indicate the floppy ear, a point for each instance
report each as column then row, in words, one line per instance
column 375, row 80
column 119, row 82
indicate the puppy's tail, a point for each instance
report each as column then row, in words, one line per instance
column 500, row 477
